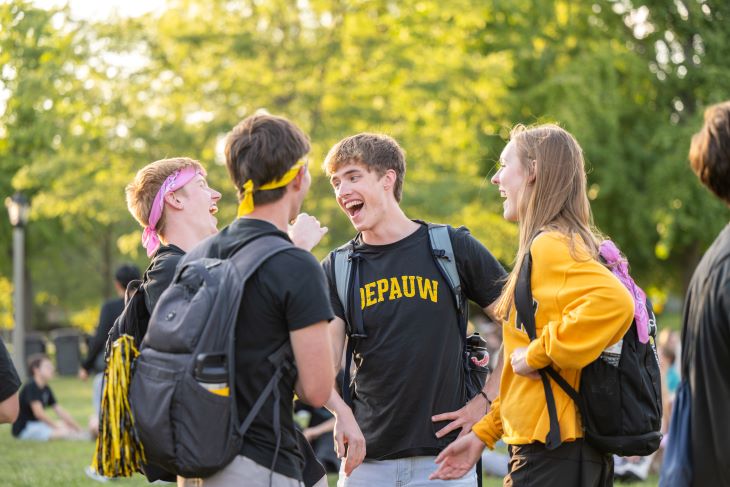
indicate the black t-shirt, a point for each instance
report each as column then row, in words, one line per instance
column 9, row 380
column 29, row 393
column 110, row 310
column 287, row 293
column 706, row 362
column 159, row 274
column 410, row 366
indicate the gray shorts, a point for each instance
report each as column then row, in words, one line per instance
column 244, row 469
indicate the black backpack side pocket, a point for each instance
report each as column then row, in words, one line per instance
column 203, row 418
column 150, row 396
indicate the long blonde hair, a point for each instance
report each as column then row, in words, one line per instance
column 555, row 199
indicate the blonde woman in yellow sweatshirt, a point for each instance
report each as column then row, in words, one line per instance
column 581, row 309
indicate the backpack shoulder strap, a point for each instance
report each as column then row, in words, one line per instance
column 523, row 298
column 443, row 253
column 256, row 252
column 342, row 271
column 526, row 317
column 347, row 280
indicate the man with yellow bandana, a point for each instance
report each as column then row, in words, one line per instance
column 286, row 299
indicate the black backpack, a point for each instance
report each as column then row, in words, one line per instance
column 345, row 264
column 619, row 400
column 182, row 393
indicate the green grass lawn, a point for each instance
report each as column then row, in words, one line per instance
column 62, row 463
column 56, row 463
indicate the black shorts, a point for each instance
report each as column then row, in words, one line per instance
column 573, row 463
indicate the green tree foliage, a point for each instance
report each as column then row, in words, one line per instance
column 617, row 76
column 87, row 104
column 62, row 144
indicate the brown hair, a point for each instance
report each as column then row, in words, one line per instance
column 35, row 361
column 263, row 148
column 142, row 190
column 377, row 152
column 709, row 153
column 557, row 199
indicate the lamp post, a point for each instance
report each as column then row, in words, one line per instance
column 18, row 211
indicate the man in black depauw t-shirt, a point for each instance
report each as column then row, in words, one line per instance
column 286, row 299
column 408, row 394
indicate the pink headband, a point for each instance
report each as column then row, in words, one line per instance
column 175, row 181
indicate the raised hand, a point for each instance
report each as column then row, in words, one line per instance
column 458, row 458
column 463, row 418
column 306, row 231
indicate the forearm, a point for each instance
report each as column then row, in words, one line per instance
column 66, row 417
column 336, row 405
column 43, row 417
column 592, row 311
column 9, row 409
column 338, row 339
column 320, row 429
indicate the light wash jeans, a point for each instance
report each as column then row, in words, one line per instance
column 36, row 431
column 96, row 392
column 403, row 472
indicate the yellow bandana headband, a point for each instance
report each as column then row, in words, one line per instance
column 246, row 205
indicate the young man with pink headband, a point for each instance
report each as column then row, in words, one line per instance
column 171, row 199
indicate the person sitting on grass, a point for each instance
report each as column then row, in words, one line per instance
column 33, row 422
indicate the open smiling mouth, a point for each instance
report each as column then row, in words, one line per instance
column 353, row 207
column 213, row 209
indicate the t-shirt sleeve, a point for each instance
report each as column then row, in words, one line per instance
column 300, row 286
column 9, row 380
column 337, row 306
column 481, row 274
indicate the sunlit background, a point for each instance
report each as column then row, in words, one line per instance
column 91, row 91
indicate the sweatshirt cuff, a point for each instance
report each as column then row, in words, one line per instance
column 536, row 356
column 487, row 431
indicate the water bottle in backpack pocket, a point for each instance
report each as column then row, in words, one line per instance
column 211, row 372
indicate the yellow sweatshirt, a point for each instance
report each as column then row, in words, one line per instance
column 581, row 309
